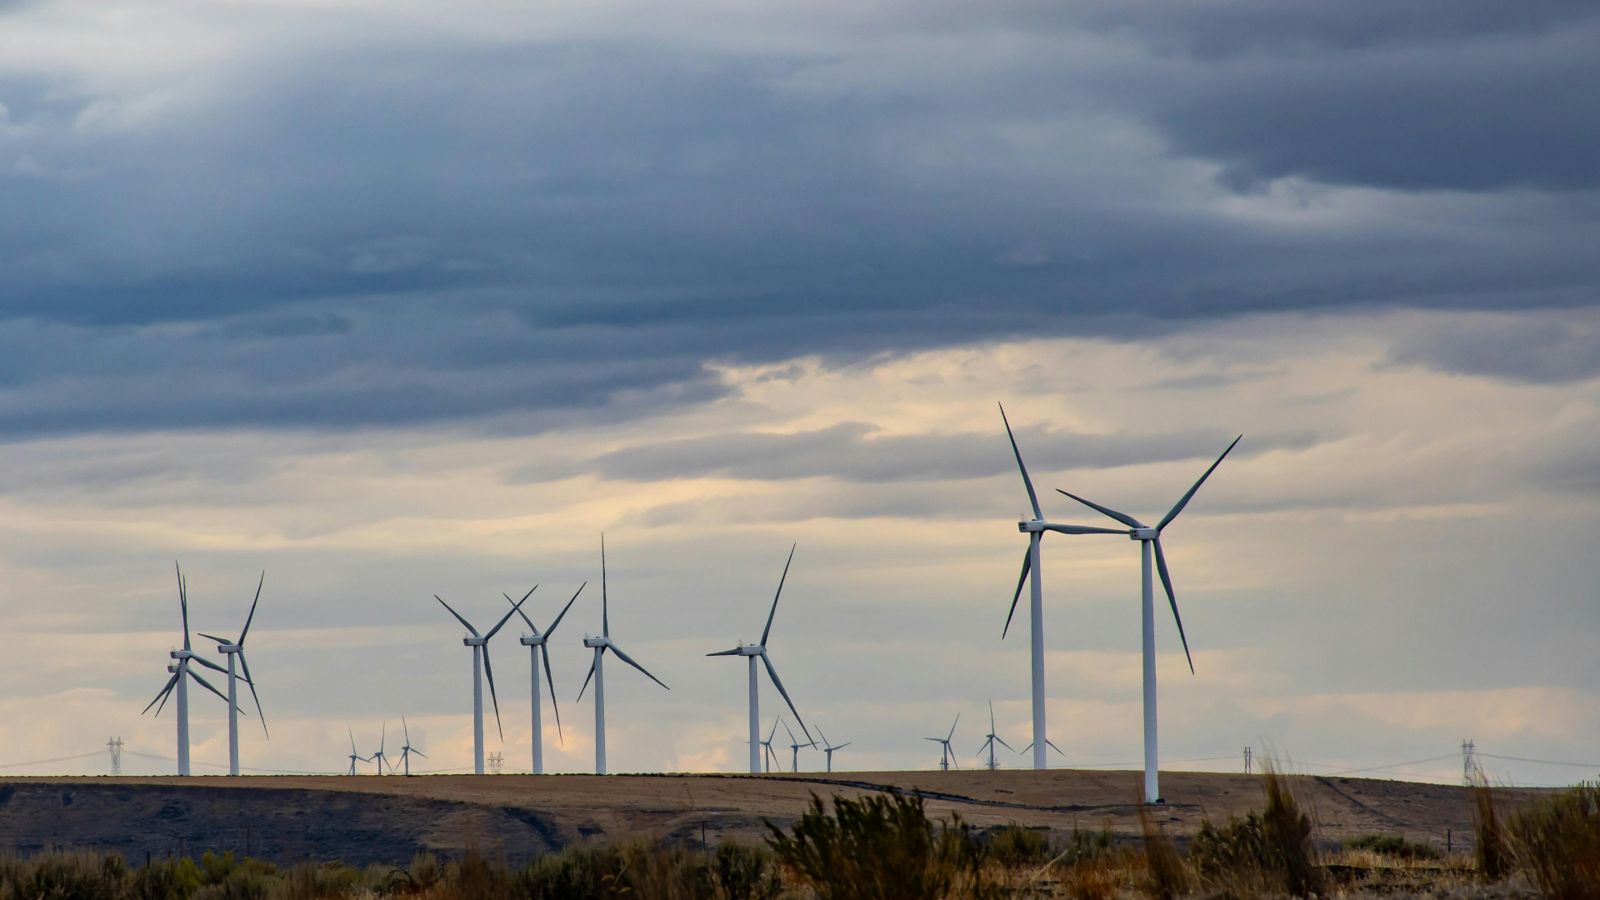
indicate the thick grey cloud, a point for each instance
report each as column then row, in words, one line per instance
column 1534, row 350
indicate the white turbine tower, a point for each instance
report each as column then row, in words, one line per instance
column 407, row 751
column 481, row 667
column 828, row 748
column 794, row 748
column 752, row 652
column 991, row 739
column 232, row 649
column 1150, row 540
column 538, row 645
column 180, row 684
column 1035, row 528
column 597, row 670
column 947, row 756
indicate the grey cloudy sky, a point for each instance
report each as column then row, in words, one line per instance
column 398, row 298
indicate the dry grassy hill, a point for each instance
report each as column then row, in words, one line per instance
column 369, row 819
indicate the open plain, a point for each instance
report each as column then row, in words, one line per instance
column 368, row 819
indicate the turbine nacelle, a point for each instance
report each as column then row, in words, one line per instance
column 181, row 654
column 595, row 642
column 1144, row 534
column 474, row 641
column 532, row 640
column 230, row 648
column 1030, row 526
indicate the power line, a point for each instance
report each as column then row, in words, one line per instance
column 1542, row 762
column 40, row 762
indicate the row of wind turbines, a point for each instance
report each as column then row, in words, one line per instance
column 184, row 661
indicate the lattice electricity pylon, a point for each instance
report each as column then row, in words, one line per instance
column 496, row 762
column 1247, row 754
column 1471, row 774
column 115, row 746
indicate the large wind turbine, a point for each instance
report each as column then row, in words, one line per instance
column 828, row 747
column 179, row 683
column 752, row 652
column 991, row 739
column 538, row 645
column 407, row 750
column 480, row 667
column 232, row 649
column 1150, row 540
column 947, row 756
column 1035, row 528
column 597, row 671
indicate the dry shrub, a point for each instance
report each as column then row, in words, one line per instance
column 1558, row 844
column 1169, row 878
column 1490, row 852
column 1016, row 846
column 1269, row 849
column 1394, row 846
column 882, row 848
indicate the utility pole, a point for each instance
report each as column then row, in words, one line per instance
column 115, row 746
column 1470, row 773
column 1247, row 755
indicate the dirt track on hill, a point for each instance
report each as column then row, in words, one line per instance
column 367, row 819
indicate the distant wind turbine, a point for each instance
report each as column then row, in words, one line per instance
column 232, row 649
column 538, row 645
column 378, row 757
column 179, row 682
column 828, row 748
column 597, row 670
column 947, row 756
column 1035, row 528
column 991, row 739
column 480, row 667
column 766, row 745
column 794, row 748
column 752, row 652
column 354, row 756
column 407, row 751
column 1150, row 539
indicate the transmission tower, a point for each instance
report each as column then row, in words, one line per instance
column 496, row 761
column 115, row 746
column 1470, row 773
column 1247, row 755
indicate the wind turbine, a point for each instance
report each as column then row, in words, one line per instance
column 947, row 756
column 794, row 748
column 179, row 683
column 354, row 756
column 1150, row 540
column 538, row 645
column 766, row 745
column 597, row 671
column 378, row 757
column 480, row 666
column 231, row 649
column 1035, row 528
column 991, row 739
column 407, row 750
column 752, row 652
column 828, row 748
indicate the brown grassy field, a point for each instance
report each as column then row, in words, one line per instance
column 371, row 819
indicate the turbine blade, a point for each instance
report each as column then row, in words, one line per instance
column 552, row 629
column 778, row 683
column 733, row 652
column 774, row 611
column 352, row 740
column 790, row 732
column 488, row 669
column 406, row 729
column 161, row 695
column 1052, row 745
column 244, row 664
column 212, row 637
column 1178, row 507
column 209, row 664
column 1166, row 582
column 586, row 681
column 1003, row 743
column 991, row 718
column 183, row 605
column 1124, row 518
column 605, row 602
column 383, row 738
column 208, row 685
column 252, row 617
column 1027, row 565
column 774, row 730
column 515, row 608
column 1083, row 529
column 953, row 727
column 419, row 753
column 844, row 745
column 551, row 681
column 457, row 615
column 629, row 660
column 1027, row 482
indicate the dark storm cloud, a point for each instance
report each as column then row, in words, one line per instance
column 1532, row 350
column 389, row 225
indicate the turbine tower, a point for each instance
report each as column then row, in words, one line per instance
column 480, row 667
column 1150, row 543
column 752, row 652
column 538, row 645
column 597, row 671
column 354, row 756
column 991, row 739
column 179, row 682
column 407, row 751
column 1035, row 528
column 947, row 756
column 231, row 649
column 828, row 748
column 794, row 748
